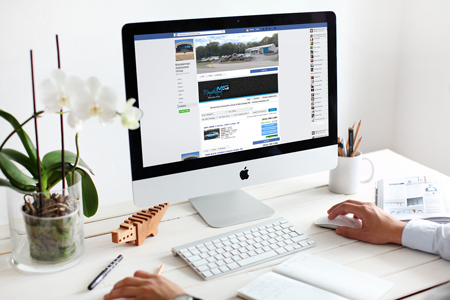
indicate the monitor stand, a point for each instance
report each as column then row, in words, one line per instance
column 230, row 208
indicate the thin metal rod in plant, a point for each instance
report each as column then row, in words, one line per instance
column 61, row 121
column 36, row 132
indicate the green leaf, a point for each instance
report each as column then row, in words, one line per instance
column 6, row 183
column 23, row 160
column 28, row 145
column 13, row 174
column 53, row 160
column 90, row 196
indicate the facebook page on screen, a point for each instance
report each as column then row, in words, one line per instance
column 214, row 92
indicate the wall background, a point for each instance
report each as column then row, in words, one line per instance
column 393, row 59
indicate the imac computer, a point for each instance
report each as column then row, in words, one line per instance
column 228, row 103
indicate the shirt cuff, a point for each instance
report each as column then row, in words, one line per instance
column 419, row 234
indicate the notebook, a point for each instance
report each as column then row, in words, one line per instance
column 306, row 276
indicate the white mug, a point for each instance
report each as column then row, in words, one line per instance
column 346, row 177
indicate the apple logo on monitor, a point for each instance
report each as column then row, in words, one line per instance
column 244, row 174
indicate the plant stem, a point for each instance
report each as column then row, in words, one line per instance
column 36, row 132
column 77, row 161
column 21, row 125
column 61, row 121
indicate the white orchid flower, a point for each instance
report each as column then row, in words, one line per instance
column 95, row 101
column 131, row 115
column 57, row 91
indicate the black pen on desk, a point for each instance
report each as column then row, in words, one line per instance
column 105, row 272
column 350, row 141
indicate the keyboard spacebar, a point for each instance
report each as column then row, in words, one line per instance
column 260, row 257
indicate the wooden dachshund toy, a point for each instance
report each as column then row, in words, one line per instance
column 141, row 225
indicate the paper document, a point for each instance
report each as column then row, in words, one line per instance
column 306, row 276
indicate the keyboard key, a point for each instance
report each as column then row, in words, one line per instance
column 212, row 253
column 251, row 253
column 267, row 248
column 220, row 263
column 244, row 255
column 257, row 245
column 183, row 250
column 224, row 268
column 247, row 232
column 235, row 252
column 227, row 248
column 285, row 225
column 203, row 249
column 231, row 236
column 258, row 239
column 227, row 254
column 277, row 228
column 281, row 244
column 200, row 246
column 199, row 263
column 233, row 266
column 289, row 248
column 311, row 242
column 216, row 241
column 216, row 271
column 191, row 248
column 208, row 243
column 280, row 250
column 203, row 268
column 264, row 231
column 195, row 252
column 283, row 222
column 299, row 238
column 211, row 259
column 187, row 254
column 254, row 230
column 204, row 255
column 243, row 244
column 207, row 274
column 211, row 247
column 220, row 250
column 261, row 228
column 239, row 234
column 236, row 258
column 224, row 239
column 219, row 257
column 194, row 258
column 256, row 258
column 304, row 243
column 227, row 243
column 274, row 246
column 228, row 260
column 259, row 251
column 212, row 265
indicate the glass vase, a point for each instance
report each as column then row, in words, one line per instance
column 43, row 244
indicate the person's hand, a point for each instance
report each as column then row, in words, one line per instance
column 145, row 286
column 378, row 227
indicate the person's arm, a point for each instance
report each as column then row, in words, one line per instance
column 145, row 286
column 427, row 236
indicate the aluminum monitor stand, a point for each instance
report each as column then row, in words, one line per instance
column 230, row 208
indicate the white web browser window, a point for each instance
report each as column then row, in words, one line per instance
column 216, row 92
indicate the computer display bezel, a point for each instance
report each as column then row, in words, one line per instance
column 130, row 30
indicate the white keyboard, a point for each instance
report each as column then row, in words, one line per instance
column 230, row 252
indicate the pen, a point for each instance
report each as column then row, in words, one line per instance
column 160, row 269
column 105, row 272
column 350, row 142
column 357, row 146
column 344, row 151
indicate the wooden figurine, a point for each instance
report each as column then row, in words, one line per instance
column 140, row 225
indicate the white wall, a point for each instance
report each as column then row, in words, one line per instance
column 422, row 103
column 90, row 44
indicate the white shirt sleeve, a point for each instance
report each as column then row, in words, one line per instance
column 427, row 236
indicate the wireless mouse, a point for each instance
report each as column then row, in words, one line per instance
column 338, row 221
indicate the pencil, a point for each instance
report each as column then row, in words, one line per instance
column 160, row 269
column 356, row 147
column 357, row 130
column 339, row 146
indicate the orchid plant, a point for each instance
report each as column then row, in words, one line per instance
column 80, row 100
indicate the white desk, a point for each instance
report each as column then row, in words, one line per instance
column 300, row 200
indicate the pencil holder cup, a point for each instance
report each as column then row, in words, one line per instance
column 346, row 177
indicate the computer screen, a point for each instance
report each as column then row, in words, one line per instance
column 244, row 92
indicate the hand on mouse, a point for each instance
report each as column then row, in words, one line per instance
column 378, row 227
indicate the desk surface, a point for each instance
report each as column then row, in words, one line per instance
column 301, row 200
